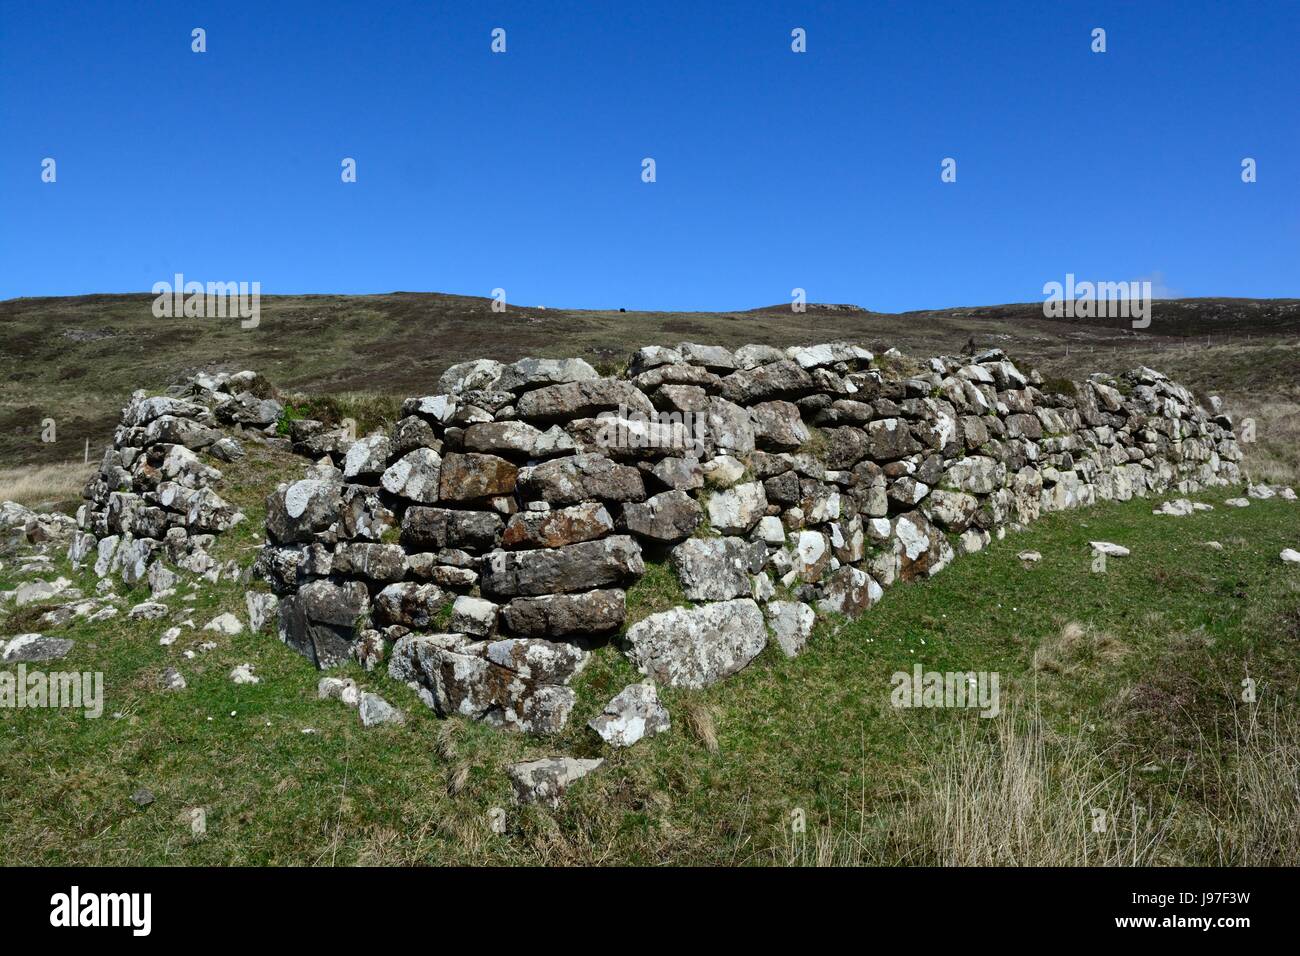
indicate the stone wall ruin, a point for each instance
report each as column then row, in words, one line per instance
column 485, row 544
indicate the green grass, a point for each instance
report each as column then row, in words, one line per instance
column 1182, row 624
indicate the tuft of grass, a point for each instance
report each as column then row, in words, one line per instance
column 1077, row 646
column 657, row 590
column 817, row 444
column 1058, row 385
column 369, row 410
column 1257, row 785
column 457, row 779
column 700, row 722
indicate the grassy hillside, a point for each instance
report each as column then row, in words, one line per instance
column 77, row 359
column 1121, row 692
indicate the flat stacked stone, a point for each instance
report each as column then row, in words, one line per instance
column 491, row 536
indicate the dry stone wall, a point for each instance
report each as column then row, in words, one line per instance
column 153, row 500
column 486, row 543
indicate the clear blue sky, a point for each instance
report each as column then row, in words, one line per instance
column 775, row 169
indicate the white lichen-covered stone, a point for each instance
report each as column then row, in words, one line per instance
column 375, row 710
column 634, row 713
column 791, row 623
column 225, row 624
column 699, row 646
column 1109, row 549
column 243, row 674
column 545, row 781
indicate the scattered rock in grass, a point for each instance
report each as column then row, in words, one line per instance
column 1238, row 502
column 1109, row 549
column 262, row 609
column 339, row 688
column 546, row 780
column 162, row 580
column 225, row 624
column 35, row 647
column 148, row 611
column 1177, row 508
column 1214, row 545
column 38, row 592
column 243, row 674
column 375, row 710
column 196, row 818
column 1291, row 556
column 142, row 797
column 226, row 449
column 172, row 679
column 635, row 712
column 1030, row 557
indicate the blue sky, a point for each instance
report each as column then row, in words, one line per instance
column 774, row 169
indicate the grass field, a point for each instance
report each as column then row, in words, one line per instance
column 1121, row 692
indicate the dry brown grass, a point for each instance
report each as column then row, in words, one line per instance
column 44, row 485
column 1010, row 796
column 1076, row 646
column 999, row 796
column 699, row 719
column 1256, row 819
column 1273, row 456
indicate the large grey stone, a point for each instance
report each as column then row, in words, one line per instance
column 717, row 569
column 516, row 684
column 415, row 476
column 532, row 373
column 696, row 647
column 557, row 527
column 367, row 457
column 432, row 529
column 471, row 476
column 561, row 403
column 517, row 438
column 366, row 559
column 299, row 511
column 614, row 560
column 784, row 379
column 322, row 620
column 777, row 425
column 34, row 647
column 545, row 781
column 409, row 604
column 791, row 623
column 667, row 517
column 579, row 478
column 737, row 509
column 566, row 615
